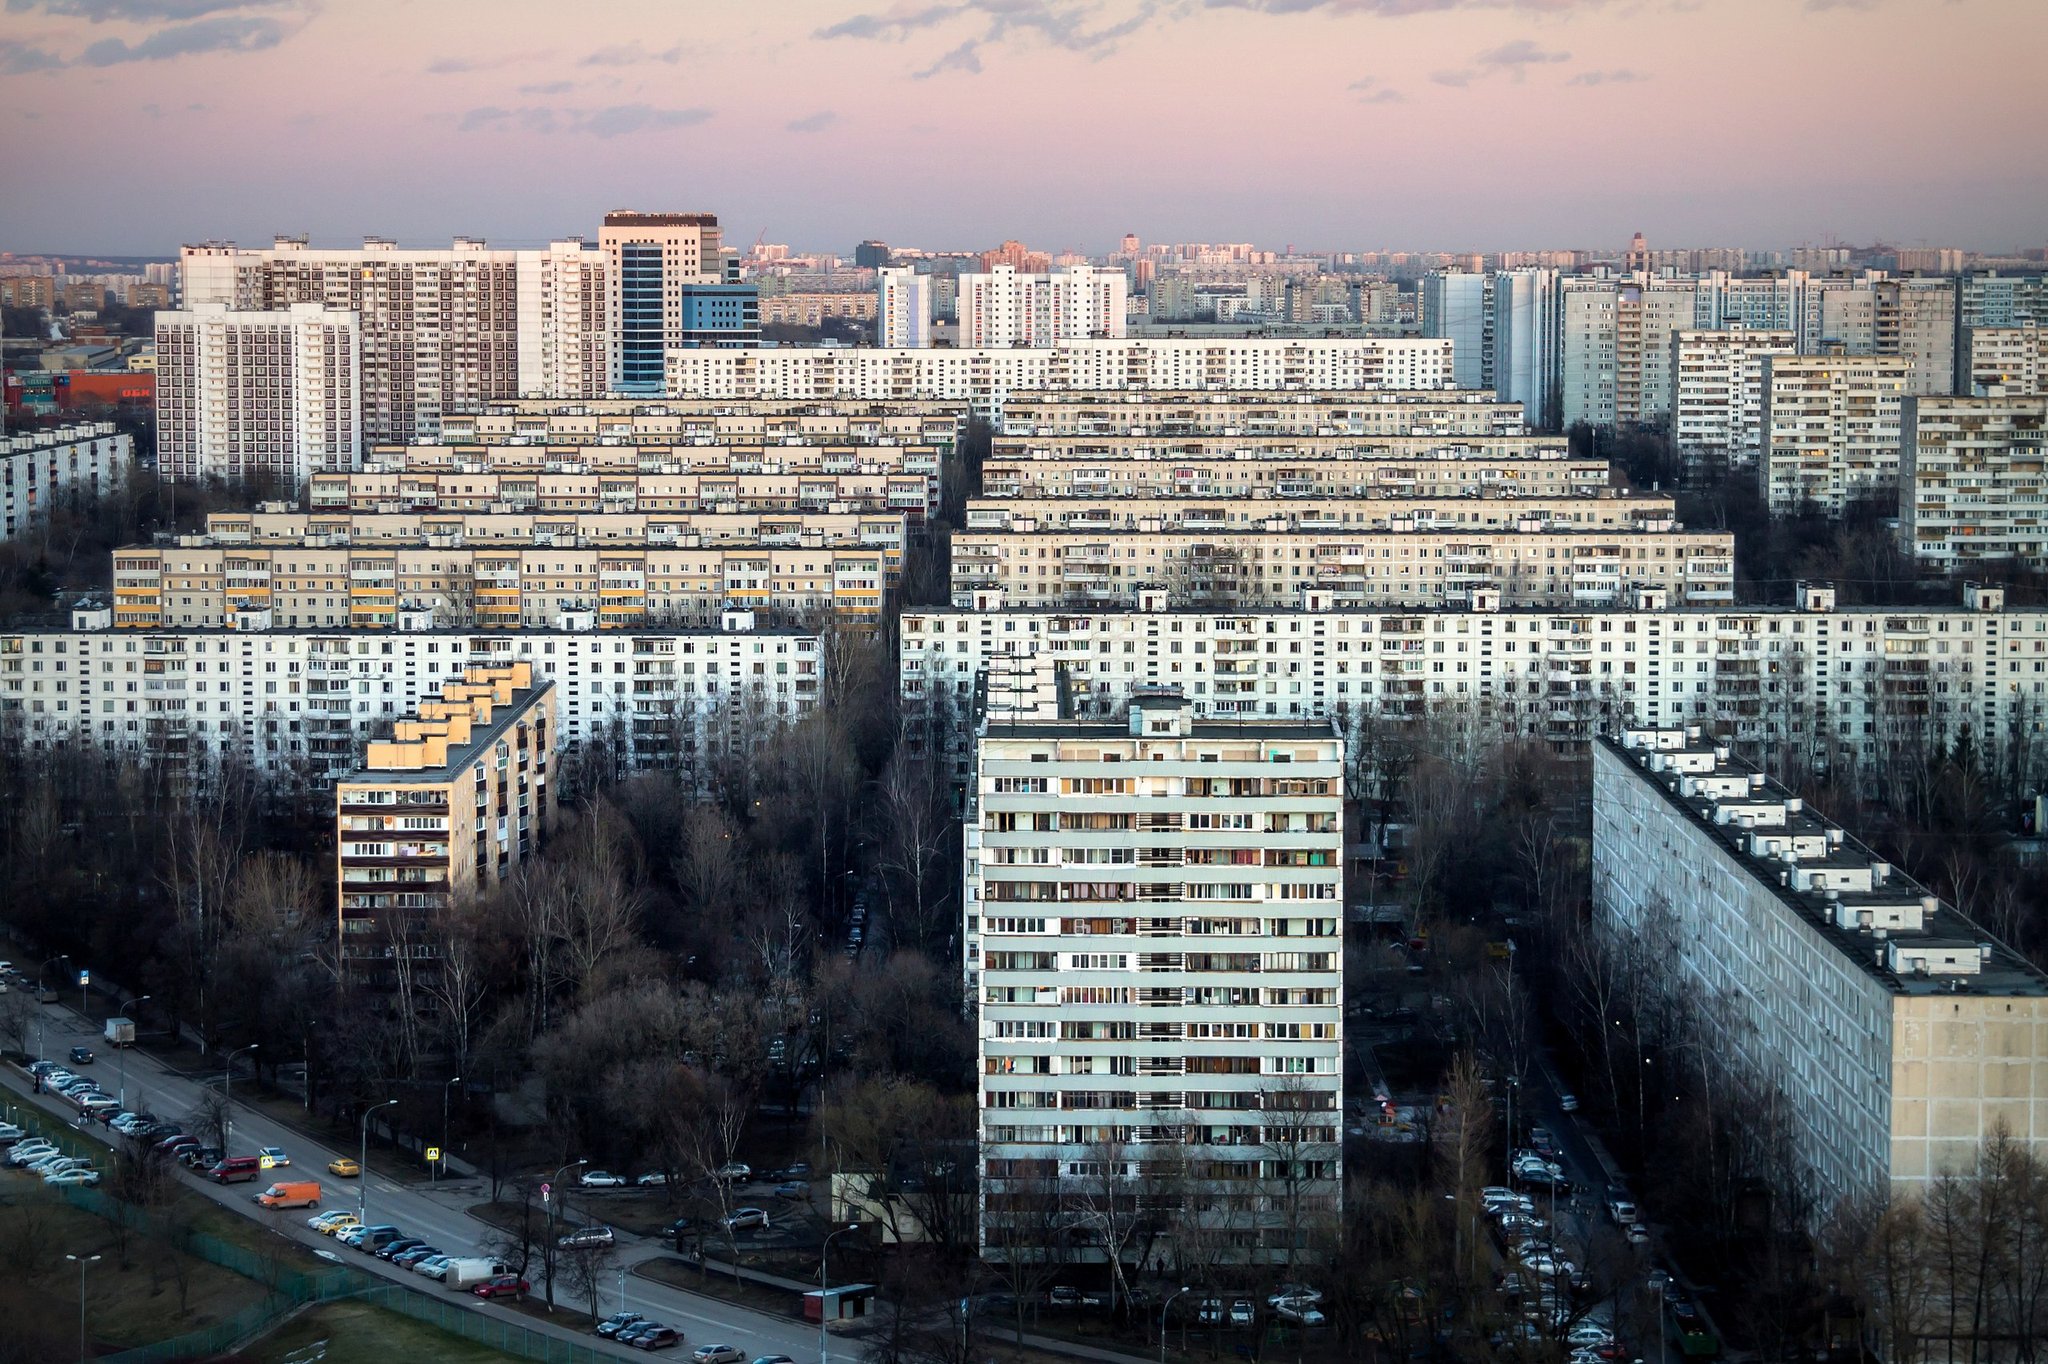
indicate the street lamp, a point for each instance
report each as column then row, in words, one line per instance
column 1164, row 1308
column 454, row 1081
column 823, row 1283
column 82, row 1261
column 227, row 1119
column 546, row 1196
column 363, row 1165
column 123, row 1048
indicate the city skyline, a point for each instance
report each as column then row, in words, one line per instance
column 820, row 124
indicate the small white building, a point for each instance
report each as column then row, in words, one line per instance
column 39, row 468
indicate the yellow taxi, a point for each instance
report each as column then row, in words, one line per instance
column 344, row 1167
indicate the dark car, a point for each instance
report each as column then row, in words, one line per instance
column 200, row 1157
column 503, row 1286
column 617, row 1322
column 406, row 1259
column 171, row 1145
column 656, row 1337
column 399, row 1246
column 81, row 1056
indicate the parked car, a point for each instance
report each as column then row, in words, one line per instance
column 407, row 1259
column 201, row 1157
column 794, row 1188
column 601, row 1179
column 1622, row 1210
column 343, row 1167
column 733, row 1172
column 1066, row 1295
column 503, row 1286
column 746, row 1217
column 720, row 1354
column 34, row 1148
column 85, row 1175
column 1294, row 1292
column 595, row 1235
column 656, row 1337
column 175, row 1143
column 611, row 1325
column 626, row 1334
column 274, row 1157
column 800, row 1170
column 653, row 1179
column 398, row 1246
column 1241, row 1312
column 10, row 1133
column 431, row 1265
column 1300, row 1313
column 1637, row 1234
column 774, row 1359
column 1589, row 1333
column 331, row 1223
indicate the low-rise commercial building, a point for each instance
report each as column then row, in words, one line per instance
column 1154, row 944
column 1971, row 481
column 1830, row 430
column 41, row 469
column 443, row 811
column 1889, row 1034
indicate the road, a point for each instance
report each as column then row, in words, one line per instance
column 440, row 1217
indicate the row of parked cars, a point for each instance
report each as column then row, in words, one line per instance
column 42, row 1157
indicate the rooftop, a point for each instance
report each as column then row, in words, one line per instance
column 451, row 733
column 1906, row 937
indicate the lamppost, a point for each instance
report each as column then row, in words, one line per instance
column 82, row 1261
column 456, row 1080
column 823, row 1283
column 227, row 1119
column 546, row 1196
column 123, row 1049
column 363, row 1165
column 1164, row 1308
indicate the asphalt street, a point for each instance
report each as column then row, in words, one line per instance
column 439, row 1216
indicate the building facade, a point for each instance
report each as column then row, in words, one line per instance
column 903, row 307
column 649, row 258
column 258, row 395
column 41, row 469
column 1154, row 945
column 983, row 379
column 1830, row 430
column 1251, row 414
column 1886, row 1033
column 1002, row 307
column 1971, row 485
column 2008, row 360
column 1717, row 395
column 1457, row 306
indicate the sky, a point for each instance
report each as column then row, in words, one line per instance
column 129, row 126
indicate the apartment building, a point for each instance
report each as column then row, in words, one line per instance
column 1536, row 563
column 814, row 308
column 1717, row 395
column 301, row 704
column 684, row 421
column 1527, row 341
column 41, row 469
column 903, row 307
column 257, row 395
column 1830, row 429
column 1124, row 884
column 650, row 261
column 569, row 485
column 1457, row 306
column 1372, row 414
column 984, row 378
column 1589, row 354
column 1003, row 307
column 1381, row 469
column 446, row 809
column 1971, row 485
column 277, row 525
column 1916, row 318
column 1893, row 1034
column 2008, row 360
column 440, row 329
column 1608, row 509
column 1814, row 682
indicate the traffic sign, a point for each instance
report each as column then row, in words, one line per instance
column 433, row 1154
column 84, row 976
column 545, row 1190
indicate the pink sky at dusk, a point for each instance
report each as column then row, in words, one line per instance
column 132, row 125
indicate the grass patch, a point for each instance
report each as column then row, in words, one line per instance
column 356, row 1333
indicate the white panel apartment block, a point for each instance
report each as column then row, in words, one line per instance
column 39, row 469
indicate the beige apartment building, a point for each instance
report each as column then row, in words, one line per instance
column 446, row 809
column 1424, row 473
column 1895, row 1034
column 1971, row 481
column 273, row 524
column 1830, row 429
column 1616, row 511
column 686, row 421
column 1259, row 446
column 1559, row 566
column 812, row 309
column 1717, row 394
column 629, row 585
column 2010, row 360
column 1374, row 413
column 570, row 486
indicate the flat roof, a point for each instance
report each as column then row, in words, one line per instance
column 2005, row 973
column 480, row 740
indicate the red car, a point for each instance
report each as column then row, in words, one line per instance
column 503, row 1286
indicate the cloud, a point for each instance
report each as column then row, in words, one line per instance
column 1370, row 91
column 617, row 120
column 135, row 11
column 1518, row 56
column 18, row 59
column 223, row 34
column 1457, row 80
column 548, row 88
column 1399, row 8
column 631, row 54
column 1619, row 76
column 812, row 123
column 1069, row 25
